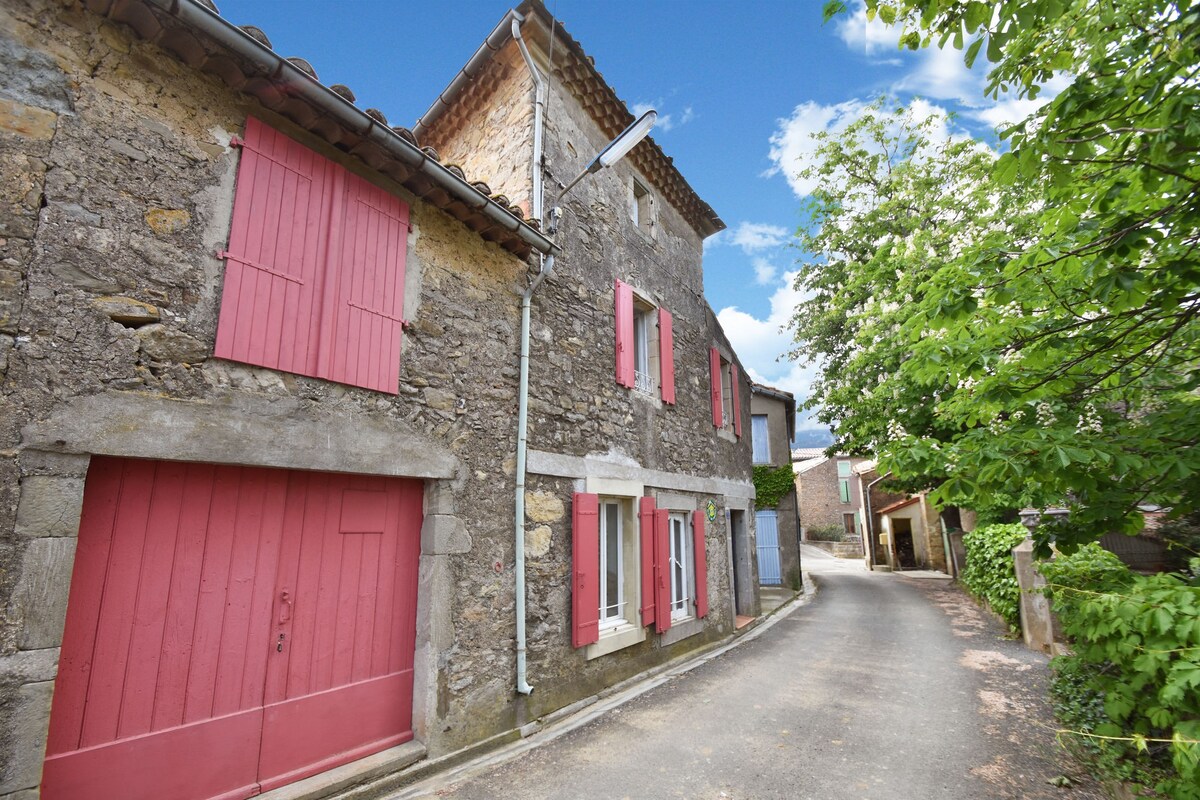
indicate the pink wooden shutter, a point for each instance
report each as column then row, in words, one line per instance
column 624, row 323
column 646, row 540
column 737, row 400
column 714, row 369
column 662, row 570
column 367, row 288
column 277, row 241
column 585, row 584
column 701, row 563
column 666, row 352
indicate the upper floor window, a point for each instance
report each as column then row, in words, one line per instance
column 314, row 270
column 843, row 471
column 645, row 344
column 640, row 211
column 759, row 439
column 726, row 399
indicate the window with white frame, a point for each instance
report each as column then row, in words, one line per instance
column 645, row 348
column 760, row 439
column 612, row 564
column 682, row 565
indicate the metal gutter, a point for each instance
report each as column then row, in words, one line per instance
column 196, row 16
column 491, row 45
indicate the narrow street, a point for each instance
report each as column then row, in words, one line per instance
column 883, row 686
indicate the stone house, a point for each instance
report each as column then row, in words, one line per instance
column 270, row 486
column 828, row 494
column 777, row 530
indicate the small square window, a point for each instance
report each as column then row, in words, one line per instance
column 640, row 211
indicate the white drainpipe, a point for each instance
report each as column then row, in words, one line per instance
column 539, row 95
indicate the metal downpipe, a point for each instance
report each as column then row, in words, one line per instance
column 547, row 265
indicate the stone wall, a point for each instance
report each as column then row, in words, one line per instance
column 820, row 500
column 117, row 183
column 582, row 424
column 780, row 453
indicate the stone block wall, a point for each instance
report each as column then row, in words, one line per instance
column 116, row 188
column 820, row 500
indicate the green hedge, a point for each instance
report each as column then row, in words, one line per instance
column 989, row 573
column 1131, row 690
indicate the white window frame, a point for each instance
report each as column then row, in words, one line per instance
column 612, row 610
column 683, row 566
column 625, row 630
column 647, row 369
column 760, row 439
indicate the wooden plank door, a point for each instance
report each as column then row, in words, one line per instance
column 340, row 673
column 172, row 679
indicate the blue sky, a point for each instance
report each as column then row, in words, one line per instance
column 739, row 86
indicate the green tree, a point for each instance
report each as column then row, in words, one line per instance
column 1055, row 357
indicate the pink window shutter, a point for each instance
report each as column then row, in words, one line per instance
column 277, row 239
column 624, row 333
column 646, row 541
column 701, row 564
column 662, row 570
column 585, row 582
column 666, row 352
column 369, row 288
column 737, row 400
column 714, row 369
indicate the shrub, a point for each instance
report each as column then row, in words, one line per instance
column 826, row 533
column 989, row 573
column 1137, row 660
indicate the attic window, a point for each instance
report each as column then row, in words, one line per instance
column 639, row 207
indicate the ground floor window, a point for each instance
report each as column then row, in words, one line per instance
column 681, row 566
column 612, row 568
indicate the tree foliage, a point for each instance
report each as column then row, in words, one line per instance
column 1021, row 330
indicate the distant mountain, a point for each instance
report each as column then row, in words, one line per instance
column 813, row 438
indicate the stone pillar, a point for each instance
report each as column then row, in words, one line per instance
column 1037, row 621
column 48, row 508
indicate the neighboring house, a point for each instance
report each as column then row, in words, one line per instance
column 904, row 531
column 261, row 363
column 827, row 493
column 772, row 428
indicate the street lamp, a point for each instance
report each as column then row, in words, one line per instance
column 616, row 149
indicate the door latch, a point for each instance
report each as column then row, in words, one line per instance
column 279, row 644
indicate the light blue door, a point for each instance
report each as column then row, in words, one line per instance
column 768, row 548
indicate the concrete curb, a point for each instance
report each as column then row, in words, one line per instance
column 430, row 777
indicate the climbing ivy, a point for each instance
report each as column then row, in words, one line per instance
column 990, row 574
column 772, row 483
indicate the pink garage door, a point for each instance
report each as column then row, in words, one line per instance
column 232, row 629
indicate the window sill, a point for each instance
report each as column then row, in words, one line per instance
column 615, row 639
column 680, row 631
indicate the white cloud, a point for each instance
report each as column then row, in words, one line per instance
column 792, row 146
column 764, row 272
column 665, row 122
column 760, row 342
column 942, row 75
column 871, row 37
column 754, row 236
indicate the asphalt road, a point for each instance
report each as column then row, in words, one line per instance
column 883, row 686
